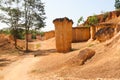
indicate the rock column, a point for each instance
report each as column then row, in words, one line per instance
column 92, row 31
column 63, row 34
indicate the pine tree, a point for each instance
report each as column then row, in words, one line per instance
column 80, row 20
column 27, row 13
column 117, row 4
column 34, row 16
column 10, row 15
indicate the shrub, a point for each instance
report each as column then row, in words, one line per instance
column 80, row 20
column 19, row 33
column 34, row 33
column 42, row 33
column 5, row 31
column 92, row 20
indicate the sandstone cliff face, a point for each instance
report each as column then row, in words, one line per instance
column 48, row 35
column 106, row 16
column 104, row 34
column 80, row 34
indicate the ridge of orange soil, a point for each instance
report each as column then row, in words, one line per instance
column 105, row 63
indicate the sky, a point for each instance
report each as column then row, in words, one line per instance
column 73, row 9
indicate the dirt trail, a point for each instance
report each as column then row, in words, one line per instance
column 19, row 70
column 50, row 67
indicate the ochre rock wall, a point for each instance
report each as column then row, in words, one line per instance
column 100, row 18
column 63, row 34
column 29, row 36
column 118, row 28
column 81, row 58
column 32, row 46
column 106, row 16
column 10, row 38
column 21, row 44
column 104, row 34
column 80, row 34
column 48, row 35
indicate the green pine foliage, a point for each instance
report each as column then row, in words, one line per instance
column 22, row 14
column 117, row 4
column 80, row 20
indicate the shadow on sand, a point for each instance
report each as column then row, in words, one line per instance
column 4, row 62
column 44, row 52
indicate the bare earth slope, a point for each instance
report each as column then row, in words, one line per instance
column 19, row 70
column 105, row 63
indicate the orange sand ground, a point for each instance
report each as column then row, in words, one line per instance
column 49, row 65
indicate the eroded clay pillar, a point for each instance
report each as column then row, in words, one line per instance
column 63, row 34
column 92, row 31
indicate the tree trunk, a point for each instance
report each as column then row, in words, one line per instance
column 26, row 39
column 15, row 39
column 26, row 26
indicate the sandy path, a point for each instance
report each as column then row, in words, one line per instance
column 19, row 70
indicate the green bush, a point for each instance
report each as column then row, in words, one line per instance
column 5, row 31
column 41, row 33
column 19, row 33
column 92, row 20
column 80, row 20
column 34, row 33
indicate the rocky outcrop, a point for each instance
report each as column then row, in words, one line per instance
column 5, row 43
column 63, row 34
column 82, row 57
column 106, row 16
column 48, row 35
column 80, row 34
column 104, row 34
